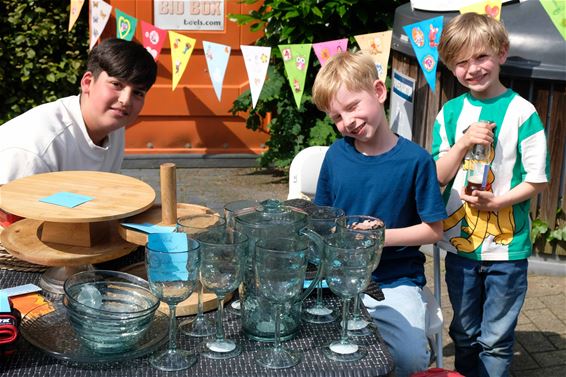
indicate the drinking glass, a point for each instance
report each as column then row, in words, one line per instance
column 222, row 251
column 173, row 276
column 280, row 268
column 323, row 220
column 374, row 228
column 231, row 210
column 348, row 262
column 193, row 225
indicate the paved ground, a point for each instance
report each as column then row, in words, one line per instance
column 540, row 349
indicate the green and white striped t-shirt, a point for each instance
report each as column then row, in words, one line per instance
column 519, row 155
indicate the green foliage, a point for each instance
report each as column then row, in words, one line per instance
column 541, row 231
column 297, row 22
column 40, row 60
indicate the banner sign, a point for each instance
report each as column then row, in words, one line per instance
column 196, row 15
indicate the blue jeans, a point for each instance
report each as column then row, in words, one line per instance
column 401, row 320
column 487, row 298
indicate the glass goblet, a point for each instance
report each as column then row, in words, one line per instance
column 231, row 210
column 374, row 228
column 348, row 265
column 222, row 251
column 280, row 269
column 173, row 276
column 192, row 225
column 323, row 220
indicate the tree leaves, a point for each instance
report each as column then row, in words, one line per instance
column 41, row 61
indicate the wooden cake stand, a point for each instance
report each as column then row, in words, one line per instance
column 166, row 215
column 54, row 235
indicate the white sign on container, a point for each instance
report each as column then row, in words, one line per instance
column 401, row 104
column 196, row 15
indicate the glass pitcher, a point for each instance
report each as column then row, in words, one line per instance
column 271, row 220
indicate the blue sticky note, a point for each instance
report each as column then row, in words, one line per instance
column 20, row 290
column 170, row 264
column 4, row 303
column 307, row 283
column 149, row 228
column 66, row 199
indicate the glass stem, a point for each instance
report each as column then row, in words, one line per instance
column 219, row 316
column 277, row 343
column 319, row 294
column 172, row 327
column 345, row 313
column 200, row 309
column 356, row 316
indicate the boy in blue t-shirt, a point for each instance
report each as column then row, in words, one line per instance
column 487, row 233
column 372, row 171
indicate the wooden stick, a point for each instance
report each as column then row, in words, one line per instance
column 168, row 178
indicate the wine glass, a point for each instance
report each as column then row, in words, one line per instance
column 193, row 225
column 231, row 210
column 172, row 275
column 347, row 260
column 222, row 251
column 323, row 220
column 374, row 228
column 280, row 268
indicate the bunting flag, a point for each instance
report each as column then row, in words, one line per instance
column 378, row 45
column 181, row 49
column 216, row 60
column 490, row 7
column 325, row 50
column 74, row 11
column 125, row 25
column 556, row 10
column 99, row 16
column 152, row 38
column 256, row 59
column 424, row 37
column 296, row 60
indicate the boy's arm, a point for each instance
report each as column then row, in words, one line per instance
column 486, row 201
column 447, row 166
column 415, row 235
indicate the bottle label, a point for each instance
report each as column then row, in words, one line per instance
column 478, row 174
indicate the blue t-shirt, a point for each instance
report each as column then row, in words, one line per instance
column 400, row 187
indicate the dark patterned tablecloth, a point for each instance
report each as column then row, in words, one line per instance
column 29, row 361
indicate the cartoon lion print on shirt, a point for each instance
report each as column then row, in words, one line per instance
column 480, row 224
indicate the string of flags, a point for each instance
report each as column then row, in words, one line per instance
column 424, row 37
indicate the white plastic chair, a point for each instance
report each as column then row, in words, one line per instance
column 303, row 178
column 304, row 171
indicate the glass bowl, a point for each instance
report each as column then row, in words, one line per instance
column 109, row 310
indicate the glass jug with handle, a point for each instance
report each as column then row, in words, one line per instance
column 271, row 219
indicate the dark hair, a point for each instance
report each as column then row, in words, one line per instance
column 125, row 60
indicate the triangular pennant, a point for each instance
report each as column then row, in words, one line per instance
column 557, row 12
column 378, row 46
column 216, row 60
column 296, row 60
column 125, row 25
column 325, row 50
column 256, row 59
column 181, row 49
column 74, row 11
column 424, row 37
column 490, row 7
column 99, row 16
column 152, row 38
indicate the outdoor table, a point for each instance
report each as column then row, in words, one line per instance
column 29, row 361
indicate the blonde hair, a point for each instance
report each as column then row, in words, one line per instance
column 470, row 33
column 355, row 71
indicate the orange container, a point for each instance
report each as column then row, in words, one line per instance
column 191, row 119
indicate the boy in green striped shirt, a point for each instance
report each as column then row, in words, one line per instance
column 487, row 232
